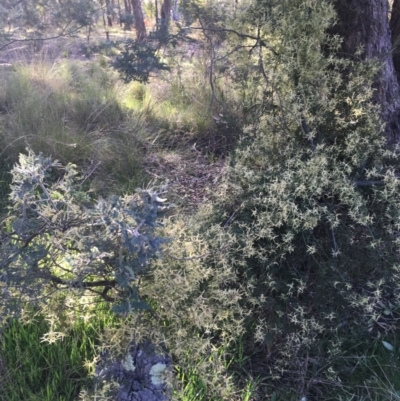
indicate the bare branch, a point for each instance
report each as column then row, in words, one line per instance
column 368, row 183
column 239, row 34
column 61, row 35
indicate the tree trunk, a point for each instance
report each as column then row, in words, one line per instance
column 127, row 7
column 366, row 23
column 139, row 20
column 175, row 13
column 395, row 28
column 166, row 12
column 156, row 11
column 127, row 12
column 109, row 13
column 119, row 14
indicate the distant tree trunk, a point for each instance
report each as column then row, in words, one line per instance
column 156, row 11
column 119, row 14
column 139, row 20
column 109, row 13
column 128, row 9
column 102, row 13
column 366, row 23
column 89, row 31
column 166, row 12
column 175, row 13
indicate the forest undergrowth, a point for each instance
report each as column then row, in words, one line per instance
column 281, row 279
column 68, row 103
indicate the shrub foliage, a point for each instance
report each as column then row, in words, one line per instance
column 296, row 258
column 56, row 238
column 309, row 206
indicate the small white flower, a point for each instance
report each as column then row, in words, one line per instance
column 128, row 364
column 157, row 373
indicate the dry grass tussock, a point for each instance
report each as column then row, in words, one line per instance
column 71, row 109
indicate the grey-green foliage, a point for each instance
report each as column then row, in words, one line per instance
column 309, row 205
column 57, row 240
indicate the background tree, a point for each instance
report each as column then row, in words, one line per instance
column 166, row 12
column 109, row 12
column 140, row 27
column 25, row 21
column 395, row 30
column 364, row 27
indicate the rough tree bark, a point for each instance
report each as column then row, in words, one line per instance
column 366, row 23
column 395, row 28
column 140, row 27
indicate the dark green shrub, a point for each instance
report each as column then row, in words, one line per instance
column 309, row 206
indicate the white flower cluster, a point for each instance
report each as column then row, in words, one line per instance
column 157, row 373
column 128, row 364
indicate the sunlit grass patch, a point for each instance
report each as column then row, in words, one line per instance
column 73, row 111
column 38, row 363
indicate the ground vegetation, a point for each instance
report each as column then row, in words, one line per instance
column 275, row 276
